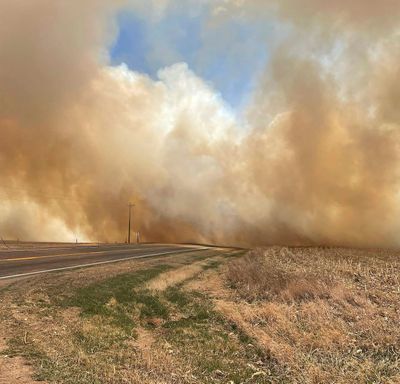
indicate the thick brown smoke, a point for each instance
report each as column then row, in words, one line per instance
column 316, row 160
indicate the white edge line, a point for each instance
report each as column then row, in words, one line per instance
column 98, row 263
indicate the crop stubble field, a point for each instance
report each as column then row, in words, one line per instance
column 272, row 315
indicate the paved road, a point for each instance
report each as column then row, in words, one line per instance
column 24, row 262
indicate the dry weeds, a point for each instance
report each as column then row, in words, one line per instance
column 324, row 314
column 171, row 278
column 176, row 276
column 104, row 325
column 277, row 315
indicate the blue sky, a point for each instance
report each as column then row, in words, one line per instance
column 229, row 55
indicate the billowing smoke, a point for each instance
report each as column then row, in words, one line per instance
column 314, row 159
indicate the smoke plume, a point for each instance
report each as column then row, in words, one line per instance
column 314, row 158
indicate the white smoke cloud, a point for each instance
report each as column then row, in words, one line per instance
column 315, row 160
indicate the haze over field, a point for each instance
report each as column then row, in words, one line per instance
column 291, row 136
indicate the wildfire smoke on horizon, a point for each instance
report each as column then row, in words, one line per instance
column 313, row 156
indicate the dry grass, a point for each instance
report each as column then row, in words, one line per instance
column 323, row 314
column 268, row 275
column 14, row 370
column 276, row 315
column 67, row 347
column 111, row 328
column 176, row 276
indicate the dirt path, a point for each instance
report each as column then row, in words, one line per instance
column 13, row 370
column 178, row 275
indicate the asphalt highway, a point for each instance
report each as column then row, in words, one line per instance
column 15, row 262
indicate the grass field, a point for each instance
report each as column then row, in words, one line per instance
column 324, row 315
column 275, row 315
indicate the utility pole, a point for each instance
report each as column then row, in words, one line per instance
column 129, row 222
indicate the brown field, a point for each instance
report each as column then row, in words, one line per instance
column 324, row 315
column 274, row 315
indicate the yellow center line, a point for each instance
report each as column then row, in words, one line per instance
column 66, row 254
